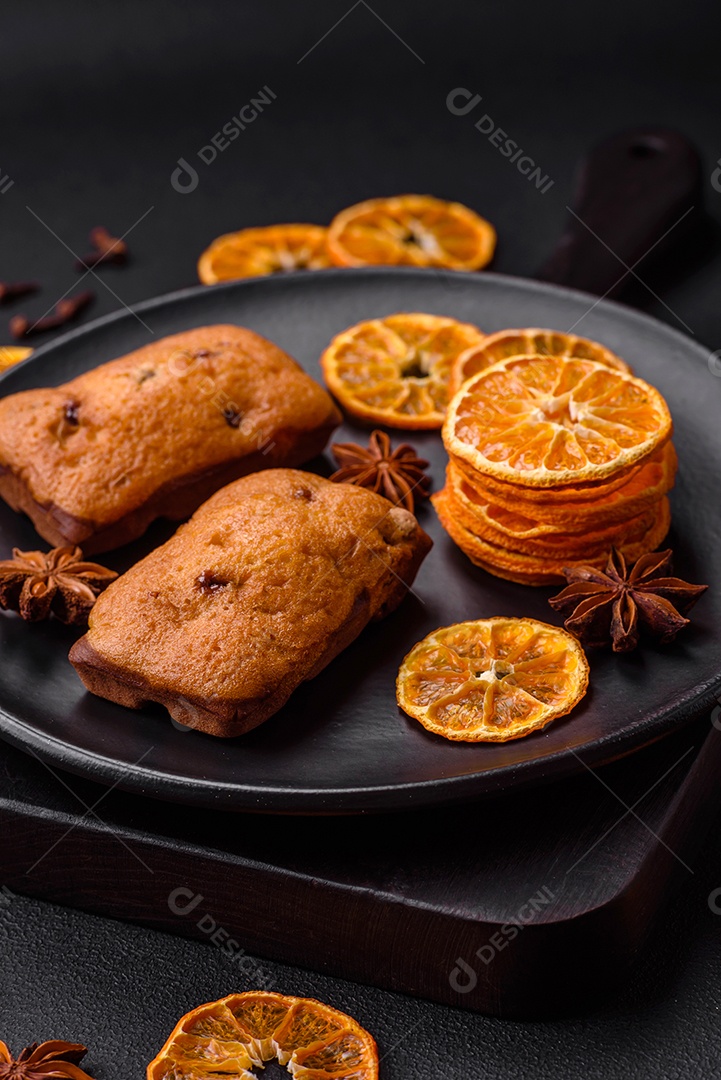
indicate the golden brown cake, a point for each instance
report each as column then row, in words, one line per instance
column 269, row 580
column 156, row 432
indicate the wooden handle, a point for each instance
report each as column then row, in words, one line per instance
column 635, row 195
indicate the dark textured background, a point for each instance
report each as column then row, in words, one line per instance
column 98, row 102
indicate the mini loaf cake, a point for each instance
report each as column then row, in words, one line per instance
column 269, row 580
column 156, row 432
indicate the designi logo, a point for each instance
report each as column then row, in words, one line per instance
column 716, row 177
column 185, row 178
column 177, row 179
column 461, row 102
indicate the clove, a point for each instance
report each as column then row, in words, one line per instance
column 65, row 311
column 12, row 290
column 106, row 248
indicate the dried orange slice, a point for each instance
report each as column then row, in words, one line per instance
column 547, row 421
column 540, row 569
column 411, row 230
column 229, row 1037
column 528, row 342
column 515, row 532
column 517, row 517
column 12, row 354
column 394, row 371
column 270, row 249
column 608, row 500
column 492, row 680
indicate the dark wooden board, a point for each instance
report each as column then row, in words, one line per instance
column 403, row 901
column 341, row 744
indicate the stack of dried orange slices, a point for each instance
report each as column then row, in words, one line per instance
column 554, row 460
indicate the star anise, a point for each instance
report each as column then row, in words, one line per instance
column 611, row 607
column 59, row 582
column 46, row 1060
column 397, row 474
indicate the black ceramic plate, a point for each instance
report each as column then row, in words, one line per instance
column 341, row 744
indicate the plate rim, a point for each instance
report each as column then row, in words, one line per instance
column 444, row 791
column 340, row 273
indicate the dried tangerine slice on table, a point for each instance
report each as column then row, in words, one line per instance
column 411, row 230
column 492, row 680
column 269, row 249
column 550, row 421
column 395, row 370
column 12, row 354
column 230, row 1037
column 527, row 342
